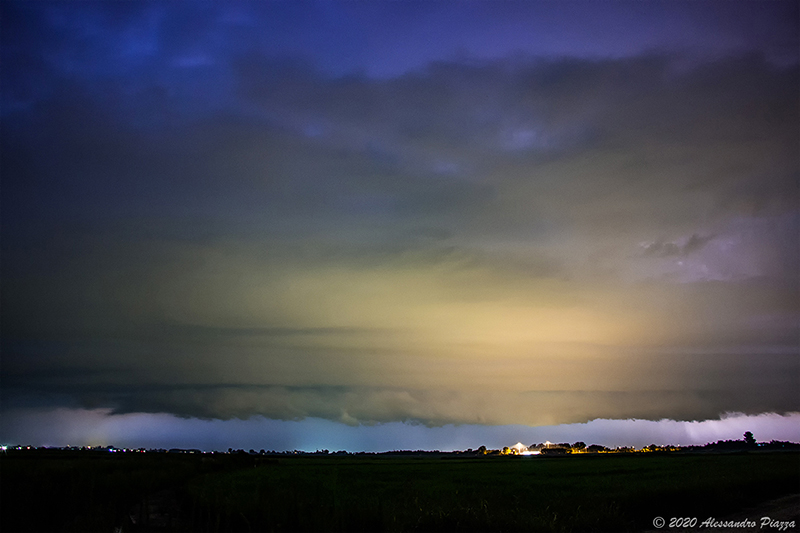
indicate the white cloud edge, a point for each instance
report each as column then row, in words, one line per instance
column 78, row 427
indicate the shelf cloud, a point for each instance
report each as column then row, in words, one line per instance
column 222, row 228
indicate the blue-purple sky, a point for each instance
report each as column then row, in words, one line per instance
column 382, row 225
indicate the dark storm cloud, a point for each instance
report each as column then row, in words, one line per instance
column 434, row 144
column 725, row 127
column 215, row 230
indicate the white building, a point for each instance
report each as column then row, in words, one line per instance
column 519, row 447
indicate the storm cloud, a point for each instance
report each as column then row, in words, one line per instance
column 533, row 240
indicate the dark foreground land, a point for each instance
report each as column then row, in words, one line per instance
column 96, row 491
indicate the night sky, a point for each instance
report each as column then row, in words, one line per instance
column 383, row 225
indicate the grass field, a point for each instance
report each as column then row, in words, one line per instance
column 74, row 492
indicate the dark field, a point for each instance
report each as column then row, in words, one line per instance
column 94, row 491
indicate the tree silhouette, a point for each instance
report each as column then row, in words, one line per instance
column 749, row 439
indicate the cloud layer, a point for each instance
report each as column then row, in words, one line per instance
column 536, row 241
